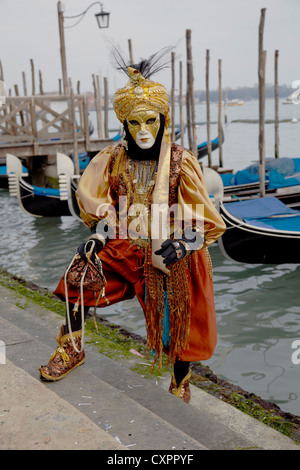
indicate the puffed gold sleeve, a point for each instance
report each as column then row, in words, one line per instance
column 93, row 193
column 195, row 201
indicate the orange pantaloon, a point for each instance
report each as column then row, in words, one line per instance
column 122, row 264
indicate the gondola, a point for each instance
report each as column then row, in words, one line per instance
column 40, row 201
column 202, row 148
column 260, row 231
column 280, row 174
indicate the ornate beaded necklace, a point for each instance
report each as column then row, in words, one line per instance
column 143, row 174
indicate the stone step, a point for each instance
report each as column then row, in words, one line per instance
column 136, row 412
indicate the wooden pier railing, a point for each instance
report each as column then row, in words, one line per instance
column 46, row 124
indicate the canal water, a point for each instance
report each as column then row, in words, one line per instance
column 258, row 306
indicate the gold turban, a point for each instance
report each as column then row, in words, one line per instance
column 141, row 91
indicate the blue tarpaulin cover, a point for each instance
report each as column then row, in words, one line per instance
column 280, row 172
column 259, row 208
column 297, row 164
column 240, row 177
column 267, row 212
column 244, row 177
column 285, row 166
column 276, row 180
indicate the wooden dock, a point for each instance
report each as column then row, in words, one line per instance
column 42, row 125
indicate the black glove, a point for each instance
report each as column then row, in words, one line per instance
column 86, row 246
column 174, row 250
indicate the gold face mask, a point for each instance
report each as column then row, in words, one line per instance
column 143, row 125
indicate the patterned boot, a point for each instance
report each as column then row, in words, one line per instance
column 65, row 358
column 181, row 391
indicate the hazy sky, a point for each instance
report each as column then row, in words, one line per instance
column 228, row 28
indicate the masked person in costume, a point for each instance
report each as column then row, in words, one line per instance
column 151, row 219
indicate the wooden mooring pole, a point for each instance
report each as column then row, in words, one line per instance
column 98, row 104
column 190, row 87
column 262, row 98
column 1, row 72
column 106, row 132
column 188, row 115
column 32, row 76
column 41, row 83
column 130, row 51
column 187, row 98
column 24, row 83
column 181, row 105
column 99, row 94
column 220, row 115
column 276, row 105
column 173, row 96
column 73, row 117
column 208, row 109
column 60, row 14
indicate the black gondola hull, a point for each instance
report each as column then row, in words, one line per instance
column 3, row 181
column 202, row 149
column 245, row 243
column 41, row 206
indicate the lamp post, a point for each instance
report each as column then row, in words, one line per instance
column 103, row 21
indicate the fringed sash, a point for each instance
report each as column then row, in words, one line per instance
column 168, row 306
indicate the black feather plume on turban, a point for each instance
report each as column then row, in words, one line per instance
column 147, row 67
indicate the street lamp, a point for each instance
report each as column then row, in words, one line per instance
column 102, row 19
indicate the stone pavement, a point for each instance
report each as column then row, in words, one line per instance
column 103, row 404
